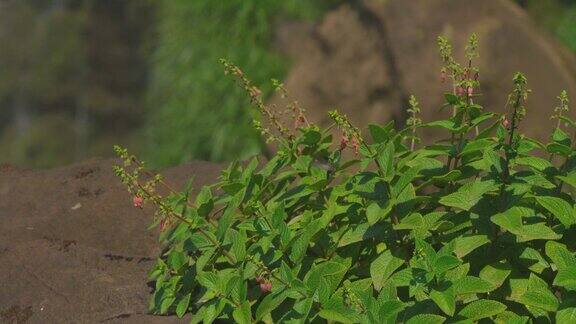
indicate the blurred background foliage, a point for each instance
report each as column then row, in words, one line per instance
column 77, row 76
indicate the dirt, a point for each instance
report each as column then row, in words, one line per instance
column 366, row 57
column 72, row 247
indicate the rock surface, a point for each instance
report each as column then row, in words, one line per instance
column 72, row 247
column 366, row 57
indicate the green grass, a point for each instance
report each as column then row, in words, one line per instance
column 194, row 111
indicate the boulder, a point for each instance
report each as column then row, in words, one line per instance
column 366, row 57
column 72, row 247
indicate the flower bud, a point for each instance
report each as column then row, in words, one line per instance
column 265, row 286
column 470, row 91
column 138, row 201
column 343, row 142
column 460, row 91
column 355, row 145
column 505, row 123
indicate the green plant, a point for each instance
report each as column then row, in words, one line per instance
column 475, row 228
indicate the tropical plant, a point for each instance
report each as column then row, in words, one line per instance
column 478, row 227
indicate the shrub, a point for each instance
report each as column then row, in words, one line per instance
column 476, row 227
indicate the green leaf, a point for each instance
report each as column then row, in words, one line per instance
column 386, row 160
column 166, row 304
column 183, row 305
column 560, row 255
column 562, row 210
column 534, row 292
column 383, row 267
column 390, row 308
column 300, row 246
column 337, row 315
column 466, row 244
column 374, row 212
column 511, row 220
column 327, row 276
column 482, row 308
column 468, row 195
column 243, row 314
column 566, row 315
column 379, row 134
column 445, row 263
column 496, row 273
column 412, row 221
column 534, row 162
column 269, row 303
column 566, row 278
column 445, row 300
column 427, row 319
column 472, row 285
column 406, row 178
column 228, row 216
column 569, row 179
column 360, row 233
column 557, row 148
column 533, row 260
column 208, row 280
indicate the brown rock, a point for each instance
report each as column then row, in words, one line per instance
column 366, row 57
column 73, row 249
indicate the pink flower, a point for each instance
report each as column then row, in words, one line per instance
column 138, row 201
column 460, row 91
column 265, row 286
column 505, row 123
column 343, row 142
column 255, row 92
column 470, row 91
column 355, row 145
column 163, row 224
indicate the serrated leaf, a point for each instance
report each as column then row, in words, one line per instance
column 533, row 260
column 472, row 285
column 374, row 212
column 560, row 255
column 360, row 233
column 566, row 315
column 566, row 278
column 557, row 148
column 269, row 303
column 569, row 179
column 562, row 210
column 182, row 306
column 383, row 267
column 404, row 179
column 390, row 308
column 426, row 318
column 466, row 244
column 412, row 221
column 243, row 314
column 534, row 292
column 534, row 162
column 496, row 273
column 208, row 280
column 445, row 300
column 468, row 195
column 445, row 263
column 482, row 308
column 386, row 160
column 379, row 134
